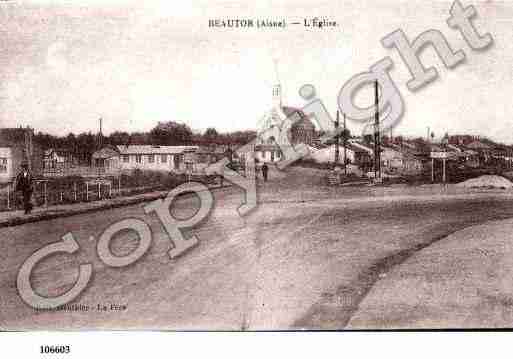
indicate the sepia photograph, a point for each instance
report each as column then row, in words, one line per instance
column 340, row 165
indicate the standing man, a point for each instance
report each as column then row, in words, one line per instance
column 24, row 185
column 265, row 169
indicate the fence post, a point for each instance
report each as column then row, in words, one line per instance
column 8, row 193
column 110, row 189
column 87, row 191
column 75, row 190
column 45, row 194
column 99, row 190
column 119, row 186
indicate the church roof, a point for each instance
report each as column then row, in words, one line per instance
column 289, row 111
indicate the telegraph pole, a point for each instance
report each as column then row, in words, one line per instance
column 100, row 135
column 377, row 149
column 345, row 146
column 337, row 150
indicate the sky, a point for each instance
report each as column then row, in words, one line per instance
column 63, row 65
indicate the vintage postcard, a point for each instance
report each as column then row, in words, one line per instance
column 248, row 166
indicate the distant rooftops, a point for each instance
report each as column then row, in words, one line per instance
column 154, row 149
column 478, row 145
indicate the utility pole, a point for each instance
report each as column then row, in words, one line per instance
column 443, row 170
column 100, row 135
column 337, row 150
column 345, row 145
column 377, row 149
column 28, row 146
column 432, row 170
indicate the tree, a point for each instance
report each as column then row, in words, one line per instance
column 171, row 133
column 240, row 137
column 211, row 135
column 86, row 145
column 119, row 138
column 139, row 138
column 70, row 142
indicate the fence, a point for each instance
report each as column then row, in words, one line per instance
column 83, row 171
column 56, row 191
column 46, row 194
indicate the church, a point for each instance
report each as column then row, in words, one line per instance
column 301, row 132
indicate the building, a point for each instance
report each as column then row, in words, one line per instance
column 146, row 157
column 302, row 130
column 395, row 159
column 17, row 147
column 484, row 151
column 106, row 159
column 354, row 155
column 213, row 153
column 58, row 158
column 269, row 152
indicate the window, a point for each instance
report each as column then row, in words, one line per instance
column 163, row 158
column 126, row 158
column 151, row 158
column 3, row 165
column 138, row 158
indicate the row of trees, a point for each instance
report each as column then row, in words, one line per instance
column 164, row 133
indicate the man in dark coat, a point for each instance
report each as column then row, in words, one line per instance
column 265, row 170
column 24, row 185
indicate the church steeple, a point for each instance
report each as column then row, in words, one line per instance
column 277, row 104
column 277, row 95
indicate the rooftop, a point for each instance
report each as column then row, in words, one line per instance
column 153, row 149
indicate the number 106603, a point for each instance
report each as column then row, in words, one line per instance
column 55, row 349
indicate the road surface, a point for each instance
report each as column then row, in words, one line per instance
column 305, row 258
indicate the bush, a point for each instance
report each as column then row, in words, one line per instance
column 157, row 179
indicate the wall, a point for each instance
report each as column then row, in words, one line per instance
column 15, row 157
column 265, row 156
column 5, row 153
column 145, row 164
column 327, row 155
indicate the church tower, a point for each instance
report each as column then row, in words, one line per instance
column 277, row 104
column 277, row 96
column 275, row 115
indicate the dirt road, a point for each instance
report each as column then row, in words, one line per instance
column 306, row 258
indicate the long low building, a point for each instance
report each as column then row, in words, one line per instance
column 145, row 157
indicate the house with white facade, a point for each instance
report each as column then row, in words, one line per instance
column 394, row 159
column 146, row 157
column 58, row 158
column 17, row 148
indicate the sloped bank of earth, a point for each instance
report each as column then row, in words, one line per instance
column 462, row 281
column 486, row 181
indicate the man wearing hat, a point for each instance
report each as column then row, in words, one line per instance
column 24, row 185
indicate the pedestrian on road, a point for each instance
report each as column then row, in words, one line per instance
column 24, row 185
column 265, row 170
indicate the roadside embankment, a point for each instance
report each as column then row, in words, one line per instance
column 462, row 281
column 16, row 218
